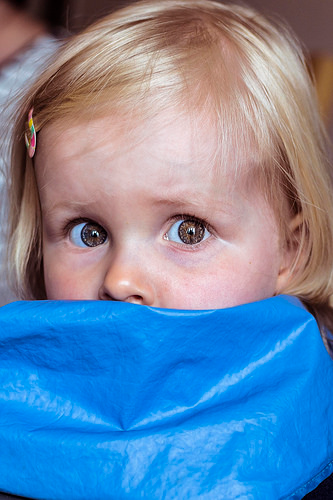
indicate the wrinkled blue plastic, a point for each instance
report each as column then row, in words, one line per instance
column 104, row 400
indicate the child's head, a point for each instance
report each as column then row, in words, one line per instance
column 180, row 163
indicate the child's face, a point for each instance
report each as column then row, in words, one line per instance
column 144, row 217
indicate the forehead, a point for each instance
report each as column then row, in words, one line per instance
column 190, row 141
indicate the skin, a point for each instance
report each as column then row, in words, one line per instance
column 138, row 185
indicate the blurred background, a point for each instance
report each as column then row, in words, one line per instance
column 312, row 20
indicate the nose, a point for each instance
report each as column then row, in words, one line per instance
column 127, row 282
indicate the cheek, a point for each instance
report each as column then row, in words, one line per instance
column 222, row 285
column 63, row 282
column 59, row 284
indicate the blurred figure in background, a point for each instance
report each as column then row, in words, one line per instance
column 25, row 46
column 323, row 71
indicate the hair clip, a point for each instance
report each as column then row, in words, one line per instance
column 31, row 143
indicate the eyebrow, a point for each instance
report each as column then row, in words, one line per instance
column 176, row 201
column 183, row 202
column 67, row 205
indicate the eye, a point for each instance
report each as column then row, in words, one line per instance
column 189, row 231
column 88, row 234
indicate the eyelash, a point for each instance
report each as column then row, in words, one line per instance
column 71, row 223
column 193, row 218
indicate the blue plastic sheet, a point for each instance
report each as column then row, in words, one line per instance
column 105, row 400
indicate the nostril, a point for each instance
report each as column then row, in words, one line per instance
column 134, row 299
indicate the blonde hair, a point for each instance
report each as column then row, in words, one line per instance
column 228, row 59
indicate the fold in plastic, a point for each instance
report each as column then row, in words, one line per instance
column 104, row 400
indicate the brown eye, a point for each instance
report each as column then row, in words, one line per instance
column 188, row 231
column 191, row 232
column 88, row 234
column 93, row 235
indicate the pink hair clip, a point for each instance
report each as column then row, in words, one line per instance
column 31, row 143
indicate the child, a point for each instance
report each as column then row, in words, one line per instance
column 179, row 163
